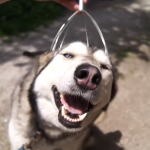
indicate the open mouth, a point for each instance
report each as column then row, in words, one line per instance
column 72, row 108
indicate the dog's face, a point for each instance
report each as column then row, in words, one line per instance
column 74, row 83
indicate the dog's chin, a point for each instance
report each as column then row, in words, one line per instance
column 72, row 108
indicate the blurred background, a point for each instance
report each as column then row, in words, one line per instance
column 32, row 26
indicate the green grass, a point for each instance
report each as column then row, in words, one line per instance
column 124, row 53
column 19, row 16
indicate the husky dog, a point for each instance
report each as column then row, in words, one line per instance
column 61, row 98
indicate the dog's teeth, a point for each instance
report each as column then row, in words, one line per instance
column 81, row 117
column 75, row 119
column 65, row 106
column 67, row 117
column 63, row 111
column 61, row 96
column 78, row 120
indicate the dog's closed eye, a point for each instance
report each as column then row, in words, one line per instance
column 104, row 67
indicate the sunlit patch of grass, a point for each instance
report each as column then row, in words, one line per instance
column 124, row 53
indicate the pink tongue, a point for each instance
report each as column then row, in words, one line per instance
column 75, row 105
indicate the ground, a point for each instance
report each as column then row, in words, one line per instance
column 126, row 28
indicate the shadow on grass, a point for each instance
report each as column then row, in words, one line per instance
column 98, row 140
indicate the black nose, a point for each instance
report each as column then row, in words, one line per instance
column 87, row 77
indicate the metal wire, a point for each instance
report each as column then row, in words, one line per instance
column 63, row 40
column 87, row 40
column 64, row 26
column 81, row 5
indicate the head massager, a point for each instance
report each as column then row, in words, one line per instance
column 65, row 25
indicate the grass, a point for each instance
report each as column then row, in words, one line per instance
column 18, row 16
column 125, row 53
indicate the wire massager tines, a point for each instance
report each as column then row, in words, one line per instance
column 65, row 25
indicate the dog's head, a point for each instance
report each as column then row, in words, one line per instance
column 71, row 86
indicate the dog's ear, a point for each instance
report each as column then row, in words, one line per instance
column 114, row 88
column 39, row 59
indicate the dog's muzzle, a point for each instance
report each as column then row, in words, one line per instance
column 74, row 108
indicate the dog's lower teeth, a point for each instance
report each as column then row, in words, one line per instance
column 75, row 119
column 71, row 119
column 81, row 117
column 65, row 115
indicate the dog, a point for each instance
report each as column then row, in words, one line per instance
column 61, row 98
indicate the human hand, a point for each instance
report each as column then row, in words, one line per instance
column 70, row 4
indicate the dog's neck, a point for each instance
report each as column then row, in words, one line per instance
column 52, row 133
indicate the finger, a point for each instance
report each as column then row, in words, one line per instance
column 85, row 1
column 71, row 4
